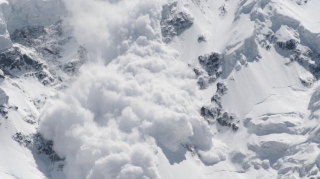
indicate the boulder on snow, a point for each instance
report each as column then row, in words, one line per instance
column 202, row 38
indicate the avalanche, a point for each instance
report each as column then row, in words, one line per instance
column 131, row 89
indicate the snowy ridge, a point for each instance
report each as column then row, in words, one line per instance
column 159, row 89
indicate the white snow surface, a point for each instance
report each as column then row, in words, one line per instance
column 133, row 110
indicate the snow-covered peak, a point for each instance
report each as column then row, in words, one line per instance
column 285, row 34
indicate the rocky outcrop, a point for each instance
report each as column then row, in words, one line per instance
column 288, row 45
column 36, row 143
column 202, row 38
column 210, row 69
column 174, row 22
column 15, row 63
column 42, row 63
column 215, row 113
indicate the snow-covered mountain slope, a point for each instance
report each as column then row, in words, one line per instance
column 159, row 89
column 38, row 58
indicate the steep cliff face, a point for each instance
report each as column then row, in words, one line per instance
column 159, row 89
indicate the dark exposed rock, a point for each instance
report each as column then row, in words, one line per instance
column 174, row 22
column 190, row 148
column 47, row 42
column 271, row 38
column 15, row 64
column 211, row 62
column 210, row 69
column 288, row 45
column 202, row 38
column 307, row 82
column 37, row 144
column 268, row 47
column 223, row 10
column 210, row 112
column 33, row 45
column 225, row 120
column 4, row 111
column 41, row 75
column 301, row 2
column 208, row 73
column 30, row 121
column 51, row 51
column 198, row 71
column 221, row 89
column 14, row 59
column 214, row 111
column 234, row 127
column 28, row 60
column 309, row 59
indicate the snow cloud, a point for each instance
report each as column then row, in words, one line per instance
column 132, row 95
